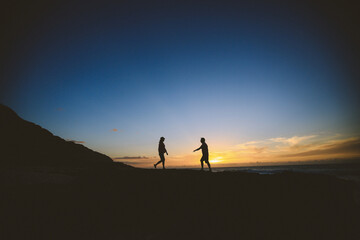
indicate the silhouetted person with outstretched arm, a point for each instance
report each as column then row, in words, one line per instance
column 205, row 154
column 162, row 151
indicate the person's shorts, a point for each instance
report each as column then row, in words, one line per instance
column 162, row 157
column 205, row 159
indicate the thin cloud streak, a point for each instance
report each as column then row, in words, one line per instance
column 293, row 140
column 75, row 141
column 127, row 158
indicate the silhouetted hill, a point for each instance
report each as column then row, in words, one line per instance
column 26, row 144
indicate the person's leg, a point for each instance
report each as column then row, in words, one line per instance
column 209, row 166
column 202, row 164
column 157, row 163
column 163, row 160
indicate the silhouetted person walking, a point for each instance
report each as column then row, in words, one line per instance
column 205, row 154
column 162, row 151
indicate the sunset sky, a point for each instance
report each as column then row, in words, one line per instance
column 261, row 81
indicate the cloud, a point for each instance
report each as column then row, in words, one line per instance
column 253, row 142
column 348, row 147
column 130, row 158
column 299, row 147
column 291, row 141
column 252, row 147
column 116, row 130
column 259, row 149
column 133, row 162
column 304, row 148
column 248, row 145
column 75, row 141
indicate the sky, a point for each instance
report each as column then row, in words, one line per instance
column 262, row 81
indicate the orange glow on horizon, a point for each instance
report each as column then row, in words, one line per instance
column 274, row 150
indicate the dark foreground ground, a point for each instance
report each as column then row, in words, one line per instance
column 48, row 203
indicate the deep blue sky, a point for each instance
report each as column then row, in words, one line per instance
column 229, row 71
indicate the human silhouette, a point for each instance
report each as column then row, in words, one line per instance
column 205, row 154
column 162, row 151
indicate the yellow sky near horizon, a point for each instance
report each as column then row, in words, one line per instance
column 272, row 150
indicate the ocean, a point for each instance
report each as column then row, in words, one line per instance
column 347, row 171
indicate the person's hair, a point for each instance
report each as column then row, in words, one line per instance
column 203, row 139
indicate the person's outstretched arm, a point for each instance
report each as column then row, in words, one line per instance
column 197, row 149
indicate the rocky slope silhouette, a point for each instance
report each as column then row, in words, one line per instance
column 26, row 144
